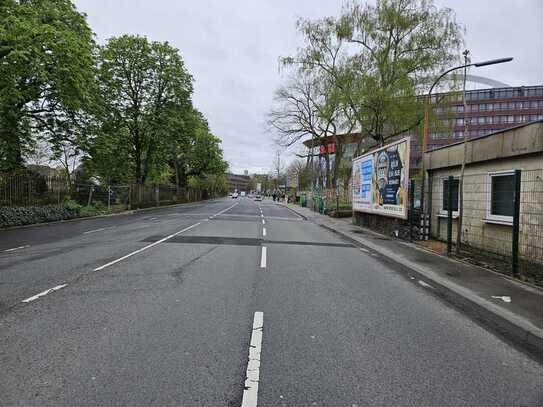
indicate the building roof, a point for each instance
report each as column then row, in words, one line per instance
column 513, row 142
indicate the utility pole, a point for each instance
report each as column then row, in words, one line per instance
column 461, row 180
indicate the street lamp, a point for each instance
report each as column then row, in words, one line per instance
column 426, row 117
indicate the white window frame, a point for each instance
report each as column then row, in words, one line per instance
column 489, row 216
column 443, row 212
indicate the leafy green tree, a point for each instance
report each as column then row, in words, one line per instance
column 144, row 85
column 46, row 76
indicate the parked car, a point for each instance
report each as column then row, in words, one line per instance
column 258, row 197
column 235, row 195
column 242, row 194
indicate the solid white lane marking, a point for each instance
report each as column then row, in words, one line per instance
column 17, row 248
column 426, row 285
column 50, row 290
column 145, row 248
column 263, row 231
column 226, row 210
column 263, row 257
column 93, row 231
column 250, row 392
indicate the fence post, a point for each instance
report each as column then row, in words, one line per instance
column 449, row 214
column 109, row 198
column 411, row 207
column 516, row 223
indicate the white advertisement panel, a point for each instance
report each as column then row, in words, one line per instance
column 381, row 180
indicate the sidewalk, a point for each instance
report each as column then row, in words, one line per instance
column 479, row 292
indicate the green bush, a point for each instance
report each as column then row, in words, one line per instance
column 18, row 216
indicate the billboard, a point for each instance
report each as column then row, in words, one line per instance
column 381, row 180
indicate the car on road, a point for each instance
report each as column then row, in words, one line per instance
column 242, row 194
column 258, row 197
column 235, row 195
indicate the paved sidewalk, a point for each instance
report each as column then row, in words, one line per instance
column 479, row 292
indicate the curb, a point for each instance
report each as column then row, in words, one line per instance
column 515, row 330
column 83, row 218
column 294, row 211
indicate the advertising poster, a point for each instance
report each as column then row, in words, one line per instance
column 381, row 179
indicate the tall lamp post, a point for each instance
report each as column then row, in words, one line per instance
column 426, row 124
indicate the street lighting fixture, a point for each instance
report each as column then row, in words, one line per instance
column 427, row 104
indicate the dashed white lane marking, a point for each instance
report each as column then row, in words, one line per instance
column 364, row 250
column 50, row 290
column 250, row 392
column 426, row 285
column 263, row 231
column 261, row 215
column 504, row 298
column 17, row 248
column 263, row 257
column 111, row 263
column 263, row 222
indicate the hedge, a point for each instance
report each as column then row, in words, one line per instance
column 18, row 216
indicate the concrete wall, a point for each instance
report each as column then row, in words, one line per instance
column 480, row 233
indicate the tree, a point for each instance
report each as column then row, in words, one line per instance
column 46, row 76
column 144, row 85
column 379, row 57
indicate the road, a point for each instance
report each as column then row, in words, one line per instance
column 177, row 306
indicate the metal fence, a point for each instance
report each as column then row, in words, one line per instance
column 36, row 190
column 502, row 221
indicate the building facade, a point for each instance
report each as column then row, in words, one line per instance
column 488, row 211
column 488, row 111
column 238, row 183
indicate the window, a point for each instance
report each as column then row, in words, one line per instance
column 459, row 121
column 500, row 202
column 445, row 195
column 510, row 119
column 481, row 120
column 460, row 108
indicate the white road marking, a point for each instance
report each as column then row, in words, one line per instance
column 50, row 290
column 17, row 248
column 504, row 298
column 263, row 222
column 426, row 285
column 364, row 250
column 153, row 218
column 250, row 393
column 93, row 231
column 263, row 231
column 262, row 215
column 111, row 263
column 263, row 257
column 226, row 210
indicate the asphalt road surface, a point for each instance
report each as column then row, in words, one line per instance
column 178, row 306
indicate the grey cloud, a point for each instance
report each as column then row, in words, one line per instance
column 232, row 49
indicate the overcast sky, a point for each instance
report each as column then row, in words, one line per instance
column 231, row 47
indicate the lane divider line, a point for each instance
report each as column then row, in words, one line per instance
column 111, row 263
column 263, row 257
column 50, row 290
column 17, row 248
column 250, row 392
column 263, row 231
column 263, row 222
